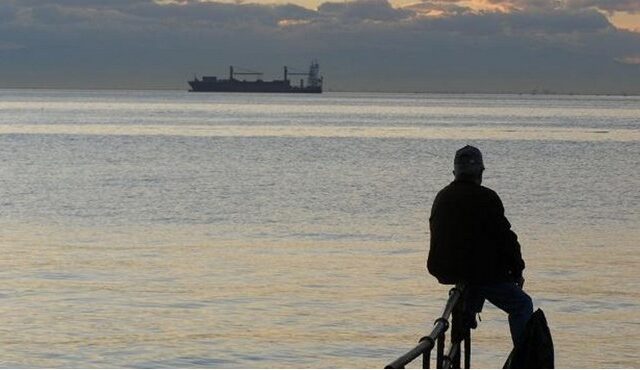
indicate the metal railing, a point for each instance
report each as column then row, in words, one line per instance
column 460, row 332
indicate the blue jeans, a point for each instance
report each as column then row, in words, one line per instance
column 508, row 297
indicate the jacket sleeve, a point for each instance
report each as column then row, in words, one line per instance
column 443, row 260
column 509, row 247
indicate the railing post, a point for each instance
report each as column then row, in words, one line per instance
column 426, row 359
column 467, row 349
column 440, row 352
column 457, row 332
column 426, row 353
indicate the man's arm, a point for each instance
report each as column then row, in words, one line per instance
column 508, row 243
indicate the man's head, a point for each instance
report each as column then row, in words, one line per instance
column 467, row 164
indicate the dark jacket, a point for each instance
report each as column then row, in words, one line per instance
column 471, row 239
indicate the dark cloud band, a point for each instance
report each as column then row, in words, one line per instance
column 563, row 46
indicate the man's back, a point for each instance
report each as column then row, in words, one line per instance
column 471, row 240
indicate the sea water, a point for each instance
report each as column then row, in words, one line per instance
column 174, row 229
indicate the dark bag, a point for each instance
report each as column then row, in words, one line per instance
column 535, row 349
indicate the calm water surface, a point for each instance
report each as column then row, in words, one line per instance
column 168, row 229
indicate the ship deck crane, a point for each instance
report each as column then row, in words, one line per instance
column 233, row 73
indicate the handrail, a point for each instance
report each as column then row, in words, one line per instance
column 437, row 337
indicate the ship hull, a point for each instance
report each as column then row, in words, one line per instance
column 236, row 86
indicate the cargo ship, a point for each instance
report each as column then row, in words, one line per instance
column 232, row 84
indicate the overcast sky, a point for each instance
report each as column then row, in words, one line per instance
column 570, row 46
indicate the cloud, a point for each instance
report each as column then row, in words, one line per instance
column 521, row 23
column 8, row 46
column 363, row 44
column 630, row 59
column 438, row 8
column 59, row 15
column 630, row 6
column 217, row 12
column 376, row 10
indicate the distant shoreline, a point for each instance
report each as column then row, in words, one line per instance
column 529, row 93
column 532, row 93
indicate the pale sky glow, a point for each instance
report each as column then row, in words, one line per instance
column 566, row 46
column 626, row 21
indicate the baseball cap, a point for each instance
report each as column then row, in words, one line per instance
column 468, row 160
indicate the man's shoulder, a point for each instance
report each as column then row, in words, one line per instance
column 488, row 191
column 449, row 189
column 491, row 195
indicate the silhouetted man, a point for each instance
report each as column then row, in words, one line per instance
column 472, row 242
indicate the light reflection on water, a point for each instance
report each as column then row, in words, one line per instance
column 309, row 304
column 150, row 244
column 448, row 133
